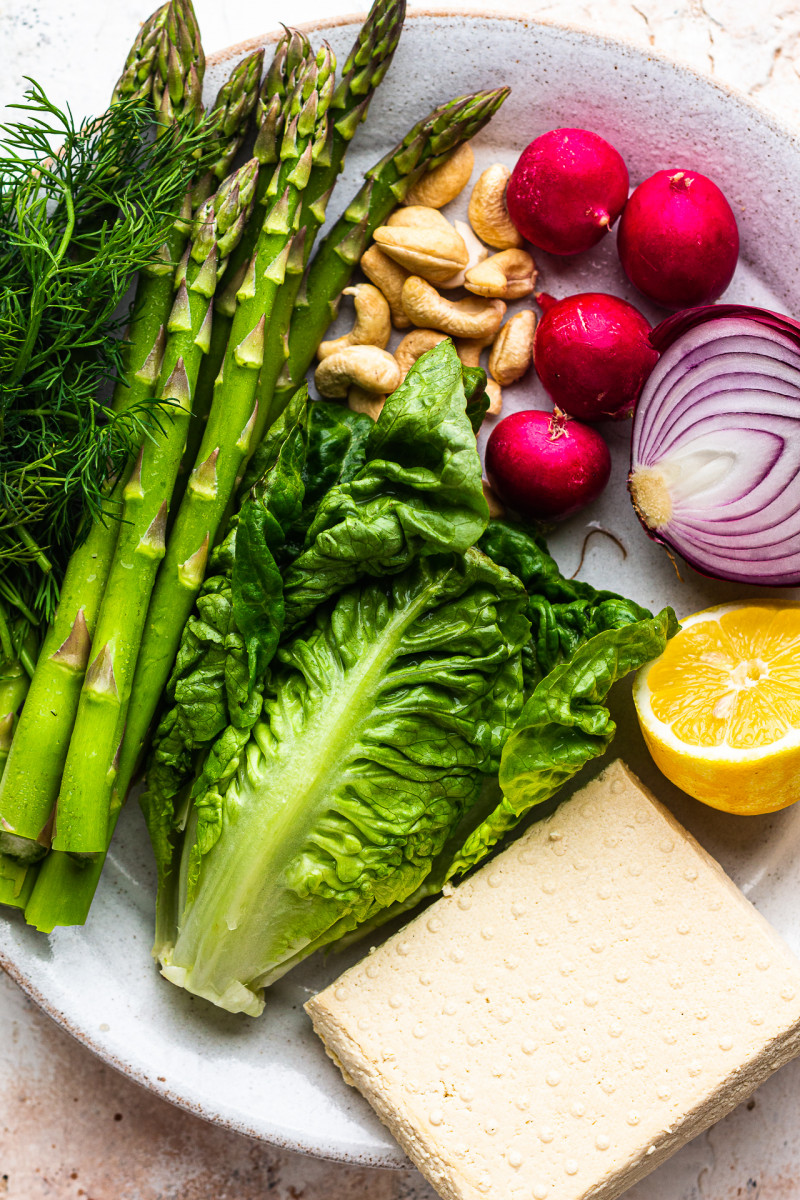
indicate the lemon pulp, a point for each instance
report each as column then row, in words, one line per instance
column 720, row 708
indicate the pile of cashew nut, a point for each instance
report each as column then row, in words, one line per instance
column 416, row 259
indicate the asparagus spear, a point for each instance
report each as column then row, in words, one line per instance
column 289, row 62
column 136, row 80
column 291, row 51
column 178, row 82
column 366, row 65
column 167, row 43
column 422, row 149
column 228, row 437
column 241, row 95
column 16, row 879
column 227, row 120
column 81, row 818
column 61, row 891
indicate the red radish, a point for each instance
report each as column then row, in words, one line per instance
column 678, row 240
column 545, row 465
column 567, row 189
column 593, row 354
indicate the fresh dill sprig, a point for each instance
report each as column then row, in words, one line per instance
column 83, row 206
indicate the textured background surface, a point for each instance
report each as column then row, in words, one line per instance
column 751, row 44
column 71, row 1127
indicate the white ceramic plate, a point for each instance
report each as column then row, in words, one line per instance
column 270, row 1078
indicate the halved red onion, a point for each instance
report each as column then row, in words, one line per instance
column 715, row 456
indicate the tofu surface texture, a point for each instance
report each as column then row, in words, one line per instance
column 573, row 1013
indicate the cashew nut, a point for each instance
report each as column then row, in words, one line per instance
column 513, row 350
column 495, row 394
column 469, row 349
column 488, row 214
column 472, row 317
column 509, row 275
column 389, row 276
column 476, row 250
column 434, row 253
column 418, row 216
column 361, row 401
column 414, row 345
column 444, row 183
column 496, row 509
column 373, row 323
column 366, row 367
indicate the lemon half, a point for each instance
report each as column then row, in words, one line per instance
column 720, row 708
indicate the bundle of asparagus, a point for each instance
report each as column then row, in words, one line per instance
column 224, row 327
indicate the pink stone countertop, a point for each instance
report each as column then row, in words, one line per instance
column 69, row 1126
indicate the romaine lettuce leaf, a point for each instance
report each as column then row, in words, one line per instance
column 337, row 450
column 564, row 613
column 265, row 518
column 563, row 725
column 378, row 723
column 478, row 400
column 355, row 676
column 418, row 492
column 333, row 496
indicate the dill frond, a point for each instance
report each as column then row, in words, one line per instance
column 83, row 207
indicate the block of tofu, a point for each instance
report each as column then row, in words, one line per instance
column 568, row 1017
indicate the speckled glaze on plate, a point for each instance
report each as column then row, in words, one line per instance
column 270, row 1078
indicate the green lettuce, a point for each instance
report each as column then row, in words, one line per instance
column 563, row 725
column 330, row 496
column 478, row 399
column 418, row 492
column 564, row 613
column 377, row 727
column 582, row 642
column 374, row 689
column 264, row 521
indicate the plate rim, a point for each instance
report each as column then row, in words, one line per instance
column 743, row 100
